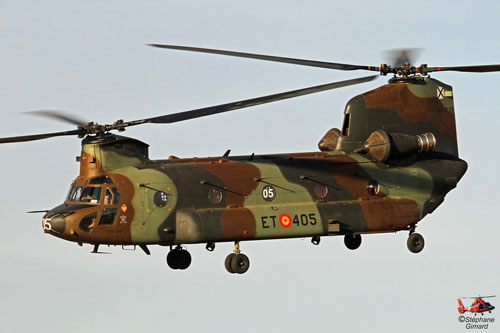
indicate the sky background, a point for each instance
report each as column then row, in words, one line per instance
column 89, row 58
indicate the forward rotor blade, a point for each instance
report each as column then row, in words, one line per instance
column 197, row 113
column 403, row 56
column 474, row 69
column 58, row 115
column 303, row 62
column 37, row 136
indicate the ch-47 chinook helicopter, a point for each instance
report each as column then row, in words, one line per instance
column 391, row 164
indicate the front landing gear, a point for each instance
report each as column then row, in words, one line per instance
column 178, row 258
column 237, row 262
column 415, row 242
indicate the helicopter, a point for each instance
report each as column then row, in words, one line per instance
column 478, row 306
column 392, row 163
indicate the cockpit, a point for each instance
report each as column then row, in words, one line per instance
column 89, row 204
column 91, row 193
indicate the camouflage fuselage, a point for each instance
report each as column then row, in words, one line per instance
column 202, row 200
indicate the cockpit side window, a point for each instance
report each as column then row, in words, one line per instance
column 91, row 195
column 108, row 216
column 108, row 197
column 111, row 196
column 116, row 199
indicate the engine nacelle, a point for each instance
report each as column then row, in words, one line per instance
column 382, row 145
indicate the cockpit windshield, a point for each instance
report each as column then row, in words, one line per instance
column 91, row 195
column 68, row 196
column 77, row 194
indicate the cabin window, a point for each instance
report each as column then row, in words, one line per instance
column 214, row 196
column 345, row 126
column 373, row 188
column 160, row 199
column 108, row 216
column 91, row 195
column 320, row 190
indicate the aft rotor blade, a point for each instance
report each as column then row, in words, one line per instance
column 303, row 62
column 197, row 113
column 58, row 115
column 34, row 137
column 473, row 69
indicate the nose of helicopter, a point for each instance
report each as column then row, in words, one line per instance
column 54, row 224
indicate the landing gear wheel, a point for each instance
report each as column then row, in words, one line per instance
column 415, row 242
column 178, row 258
column 227, row 262
column 171, row 259
column 240, row 263
column 352, row 242
column 183, row 259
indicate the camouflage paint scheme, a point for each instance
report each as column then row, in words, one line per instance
column 315, row 194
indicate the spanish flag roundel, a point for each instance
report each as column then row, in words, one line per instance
column 285, row 220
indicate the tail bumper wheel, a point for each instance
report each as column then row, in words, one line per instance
column 415, row 242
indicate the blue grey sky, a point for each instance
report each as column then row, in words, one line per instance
column 89, row 58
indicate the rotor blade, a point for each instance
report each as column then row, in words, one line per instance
column 197, row 113
column 403, row 56
column 37, row 136
column 58, row 115
column 303, row 62
column 473, row 69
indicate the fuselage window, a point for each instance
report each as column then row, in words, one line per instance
column 101, row 180
column 214, row 196
column 108, row 216
column 91, row 195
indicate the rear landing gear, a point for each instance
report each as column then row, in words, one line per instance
column 237, row 262
column 352, row 242
column 415, row 242
column 178, row 258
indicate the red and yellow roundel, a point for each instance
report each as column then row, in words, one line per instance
column 285, row 220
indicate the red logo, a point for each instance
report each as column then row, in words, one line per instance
column 285, row 220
